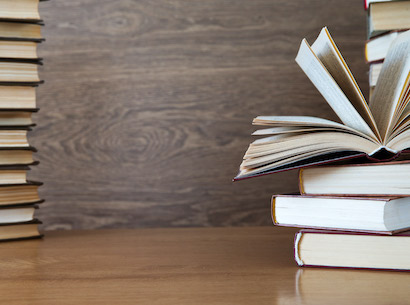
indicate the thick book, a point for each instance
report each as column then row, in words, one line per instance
column 19, row 230
column 371, row 179
column 380, row 215
column 18, row 31
column 17, row 194
column 19, row 73
column 13, row 156
column 21, row 213
column 13, row 174
column 17, row 97
column 20, row 10
column 20, row 118
column 13, row 137
column 318, row 248
column 379, row 131
column 15, row 50
column 387, row 16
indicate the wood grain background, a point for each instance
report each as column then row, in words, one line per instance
column 147, row 105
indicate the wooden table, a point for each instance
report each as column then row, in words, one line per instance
column 182, row 266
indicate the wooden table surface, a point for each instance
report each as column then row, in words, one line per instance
column 252, row 265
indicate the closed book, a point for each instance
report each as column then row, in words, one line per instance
column 17, row 194
column 19, row 73
column 318, row 248
column 20, row 10
column 370, row 179
column 13, row 174
column 387, row 16
column 21, row 213
column 17, row 97
column 14, row 156
column 14, row 136
column 16, row 118
column 361, row 214
column 18, row 31
column 19, row 50
column 19, row 230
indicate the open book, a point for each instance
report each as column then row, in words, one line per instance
column 380, row 130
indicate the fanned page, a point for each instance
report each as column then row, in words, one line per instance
column 298, row 141
column 288, row 124
column 330, row 90
column 385, row 102
column 327, row 52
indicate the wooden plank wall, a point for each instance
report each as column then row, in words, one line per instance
column 147, row 105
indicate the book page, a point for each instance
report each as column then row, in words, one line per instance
column 398, row 122
column 330, row 90
column 327, row 52
column 386, row 97
column 294, row 121
column 305, row 122
column 272, row 152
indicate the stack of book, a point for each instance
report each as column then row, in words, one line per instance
column 386, row 19
column 355, row 210
column 20, row 33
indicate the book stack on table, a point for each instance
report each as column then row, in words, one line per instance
column 354, row 201
column 20, row 33
column 386, row 19
column 363, row 208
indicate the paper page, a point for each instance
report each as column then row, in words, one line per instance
column 330, row 90
column 385, row 99
column 327, row 52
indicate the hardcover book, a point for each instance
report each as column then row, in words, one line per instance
column 20, row 10
column 17, row 31
column 15, row 214
column 13, row 156
column 19, row 230
column 371, row 179
column 388, row 15
column 21, row 193
column 380, row 215
column 352, row 250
